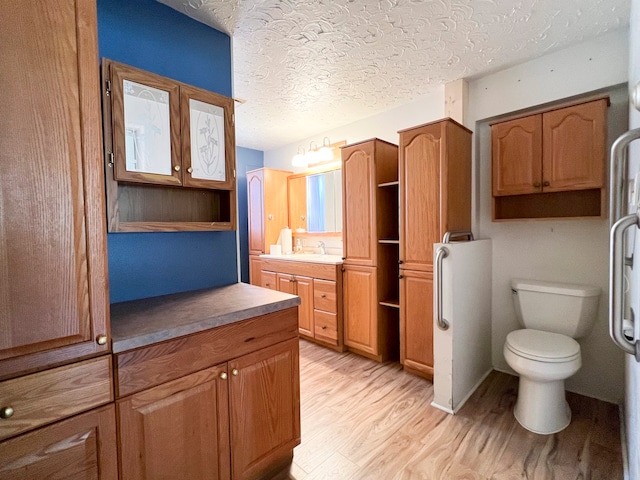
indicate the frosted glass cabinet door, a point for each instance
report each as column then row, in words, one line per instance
column 145, row 126
column 208, row 140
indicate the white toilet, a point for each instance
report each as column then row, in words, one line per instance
column 545, row 353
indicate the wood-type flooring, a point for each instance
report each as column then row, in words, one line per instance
column 366, row 420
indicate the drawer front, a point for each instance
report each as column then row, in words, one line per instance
column 268, row 280
column 324, row 296
column 54, row 394
column 326, row 326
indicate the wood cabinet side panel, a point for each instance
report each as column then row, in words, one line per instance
column 456, row 196
column 146, row 367
column 82, row 447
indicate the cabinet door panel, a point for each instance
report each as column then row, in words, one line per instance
column 420, row 201
column 269, row 280
column 255, row 199
column 416, row 324
column 80, row 448
column 176, row 430
column 359, row 214
column 360, row 308
column 255, row 270
column 574, row 147
column 264, row 400
column 516, row 155
column 304, row 289
column 52, row 245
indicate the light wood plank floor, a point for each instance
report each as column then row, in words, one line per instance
column 365, row 420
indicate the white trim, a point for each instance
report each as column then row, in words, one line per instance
column 464, row 400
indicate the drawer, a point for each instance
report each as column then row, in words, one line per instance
column 268, row 280
column 326, row 326
column 54, row 394
column 324, row 296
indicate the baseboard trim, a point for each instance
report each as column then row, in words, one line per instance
column 464, row 400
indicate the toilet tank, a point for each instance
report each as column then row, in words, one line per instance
column 566, row 308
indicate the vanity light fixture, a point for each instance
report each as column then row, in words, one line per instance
column 325, row 153
column 300, row 159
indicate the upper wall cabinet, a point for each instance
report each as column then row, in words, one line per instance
column 161, row 133
column 550, row 164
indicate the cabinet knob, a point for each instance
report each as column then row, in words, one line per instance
column 401, row 276
column 546, row 183
column 223, row 375
column 6, row 412
column 400, row 262
column 176, row 168
column 270, row 216
column 324, row 327
column 101, row 339
column 536, row 184
column 324, row 295
column 235, row 372
column 190, row 169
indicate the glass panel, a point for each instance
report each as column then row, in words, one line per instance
column 147, row 129
column 207, row 141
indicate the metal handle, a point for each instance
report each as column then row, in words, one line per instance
column 616, row 284
column 440, row 255
column 190, row 170
column 235, row 372
column 449, row 235
column 536, row 184
column 617, row 172
column 101, row 339
column 223, row 375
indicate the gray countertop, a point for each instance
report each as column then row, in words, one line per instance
column 139, row 323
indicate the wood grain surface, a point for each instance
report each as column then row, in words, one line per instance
column 366, row 420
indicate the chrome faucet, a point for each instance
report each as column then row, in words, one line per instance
column 322, row 249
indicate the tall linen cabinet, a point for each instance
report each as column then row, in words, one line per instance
column 370, row 239
column 57, row 418
column 435, row 197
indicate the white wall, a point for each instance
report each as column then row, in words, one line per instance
column 384, row 126
column 573, row 251
column 632, row 395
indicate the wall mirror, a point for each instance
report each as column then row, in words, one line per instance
column 315, row 201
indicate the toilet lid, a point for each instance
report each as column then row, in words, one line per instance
column 542, row 346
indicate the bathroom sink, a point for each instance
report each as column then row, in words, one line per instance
column 308, row 257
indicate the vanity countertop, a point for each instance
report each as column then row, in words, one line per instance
column 139, row 323
column 307, row 257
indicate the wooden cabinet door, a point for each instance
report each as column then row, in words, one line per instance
column 358, row 203
column 574, row 147
column 256, row 215
column 304, row 289
column 516, row 156
column 416, row 322
column 269, row 280
column 297, row 202
column 53, row 283
column 255, row 270
column 80, row 448
column 264, row 404
column 177, row 430
column 360, row 308
column 286, row 283
column 420, row 199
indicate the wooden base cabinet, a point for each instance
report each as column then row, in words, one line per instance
column 231, row 421
column 79, row 448
column 416, row 328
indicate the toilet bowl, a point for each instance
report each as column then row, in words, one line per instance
column 545, row 354
column 543, row 360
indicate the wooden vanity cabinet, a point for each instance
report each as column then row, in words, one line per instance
column 319, row 286
column 220, row 404
column 551, row 163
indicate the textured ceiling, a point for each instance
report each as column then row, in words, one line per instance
column 305, row 67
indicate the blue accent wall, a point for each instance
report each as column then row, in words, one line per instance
column 246, row 160
column 149, row 35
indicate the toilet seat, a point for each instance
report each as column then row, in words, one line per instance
column 542, row 346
